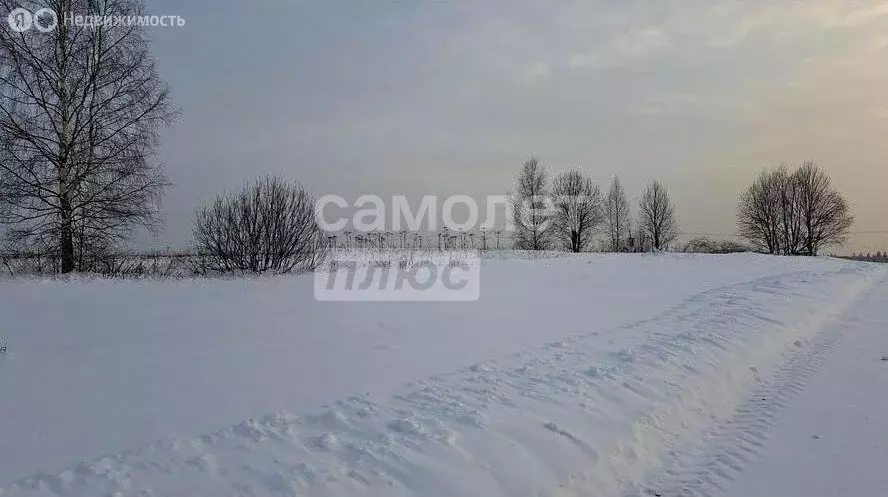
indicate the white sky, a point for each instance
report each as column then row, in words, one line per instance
column 449, row 96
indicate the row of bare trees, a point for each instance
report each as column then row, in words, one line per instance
column 571, row 213
column 793, row 211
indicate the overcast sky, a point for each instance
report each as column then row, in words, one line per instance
column 449, row 96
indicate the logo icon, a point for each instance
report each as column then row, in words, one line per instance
column 20, row 20
column 45, row 20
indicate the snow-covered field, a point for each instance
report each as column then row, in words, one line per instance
column 589, row 375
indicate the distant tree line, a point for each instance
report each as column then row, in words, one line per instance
column 870, row 257
column 786, row 211
column 570, row 213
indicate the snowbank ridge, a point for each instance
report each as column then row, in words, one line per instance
column 587, row 415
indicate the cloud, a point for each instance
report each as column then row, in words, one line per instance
column 632, row 46
column 730, row 23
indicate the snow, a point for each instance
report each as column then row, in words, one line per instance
column 836, row 432
column 594, row 374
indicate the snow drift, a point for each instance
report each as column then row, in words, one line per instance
column 570, row 376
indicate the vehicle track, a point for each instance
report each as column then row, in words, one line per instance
column 705, row 469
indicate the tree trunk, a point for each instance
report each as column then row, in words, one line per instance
column 66, row 242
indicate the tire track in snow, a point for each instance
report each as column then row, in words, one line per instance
column 706, row 469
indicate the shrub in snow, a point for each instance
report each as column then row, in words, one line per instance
column 704, row 245
column 268, row 226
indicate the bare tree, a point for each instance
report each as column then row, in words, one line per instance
column 824, row 213
column 269, row 225
column 759, row 212
column 657, row 216
column 531, row 214
column 793, row 213
column 81, row 108
column 616, row 216
column 577, row 210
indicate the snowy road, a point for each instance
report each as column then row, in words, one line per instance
column 574, row 376
column 817, row 427
column 833, row 439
